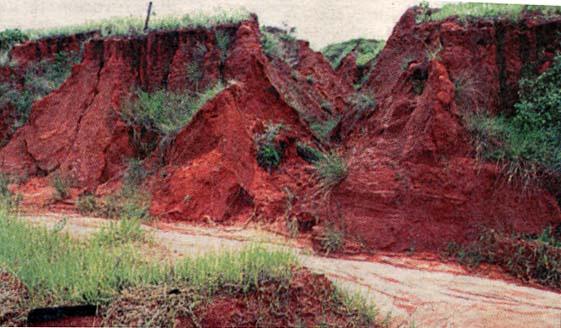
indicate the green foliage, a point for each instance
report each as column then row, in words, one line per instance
column 308, row 153
column 60, row 270
column 135, row 173
column 87, row 204
column 121, row 26
column 270, row 44
column 363, row 104
column 10, row 37
column 162, row 113
column 424, row 14
column 323, row 129
column 331, row 169
column 534, row 258
column 466, row 11
column 528, row 142
column 269, row 154
column 223, row 41
column 365, row 51
column 123, row 231
column 40, row 80
column 332, row 239
column 61, row 185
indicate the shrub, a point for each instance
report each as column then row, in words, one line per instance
column 135, row 174
column 331, row 169
column 308, row 153
column 223, row 40
column 534, row 258
column 61, row 185
column 323, row 129
column 363, row 104
column 269, row 154
column 528, row 142
column 10, row 37
column 332, row 239
column 87, row 204
column 123, row 231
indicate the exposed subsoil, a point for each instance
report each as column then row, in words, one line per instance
column 415, row 288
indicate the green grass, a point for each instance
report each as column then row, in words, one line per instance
column 39, row 80
column 331, row 169
column 269, row 153
column 527, row 144
column 332, row 239
column 61, row 185
column 322, row 129
column 162, row 113
column 122, row 26
column 487, row 10
column 530, row 258
column 366, row 51
column 60, row 270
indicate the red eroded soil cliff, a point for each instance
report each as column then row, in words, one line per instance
column 413, row 179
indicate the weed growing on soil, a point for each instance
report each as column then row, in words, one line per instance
column 269, row 153
column 332, row 239
column 87, row 204
column 40, row 80
column 323, row 129
column 123, row 231
column 527, row 143
column 223, row 41
column 162, row 113
column 536, row 258
column 308, row 153
column 122, row 26
column 465, row 11
column 331, row 169
column 61, row 185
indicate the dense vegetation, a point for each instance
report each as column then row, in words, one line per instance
column 528, row 143
column 135, row 25
column 365, row 50
column 531, row 258
column 466, row 11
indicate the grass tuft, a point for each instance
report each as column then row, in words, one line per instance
column 465, row 11
column 269, row 153
column 331, row 169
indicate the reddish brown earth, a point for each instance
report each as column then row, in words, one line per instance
column 413, row 180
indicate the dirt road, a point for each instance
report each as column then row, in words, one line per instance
column 418, row 293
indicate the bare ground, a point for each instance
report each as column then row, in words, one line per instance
column 426, row 293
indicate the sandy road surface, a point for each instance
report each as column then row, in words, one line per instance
column 426, row 293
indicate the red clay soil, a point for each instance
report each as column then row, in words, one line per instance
column 413, row 181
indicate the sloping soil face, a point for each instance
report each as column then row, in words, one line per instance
column 409, row 289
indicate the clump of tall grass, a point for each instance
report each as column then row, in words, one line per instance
column 331, row 169
column 123, row 26
column 269, row 153
column 162, row 113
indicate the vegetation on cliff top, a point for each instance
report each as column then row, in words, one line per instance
column 122, row 26
column 465, row 11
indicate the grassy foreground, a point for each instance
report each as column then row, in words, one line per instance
column 59, row 270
